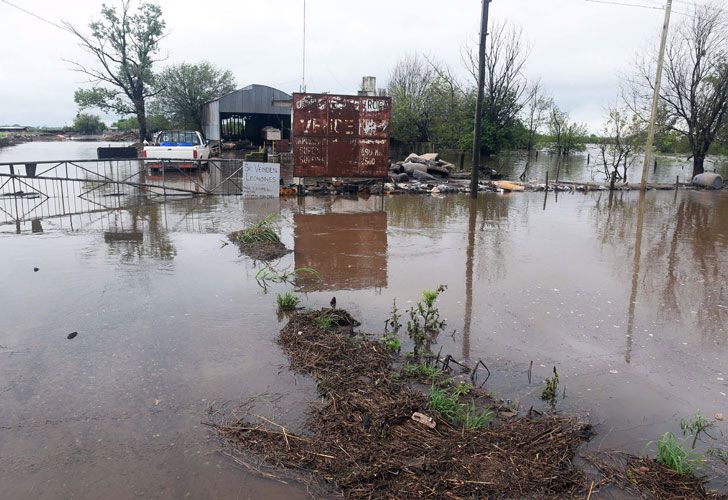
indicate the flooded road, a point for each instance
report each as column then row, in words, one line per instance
column 630, row 305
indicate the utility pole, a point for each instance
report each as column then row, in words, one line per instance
column 655, row 98
column 303, row 70
column 479, row 103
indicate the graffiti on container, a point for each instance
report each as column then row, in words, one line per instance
column 340, row 135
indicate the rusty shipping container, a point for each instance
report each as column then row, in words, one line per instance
column 340, row 135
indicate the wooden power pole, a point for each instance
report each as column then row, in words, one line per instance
column 479, row 103
column 655, row 98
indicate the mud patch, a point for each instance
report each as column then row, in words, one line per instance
column 366, row 443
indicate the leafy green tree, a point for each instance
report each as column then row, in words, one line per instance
column 184, row 88
column 124, row 43
column 155, row 123
column 567, row 136
column 88, row 124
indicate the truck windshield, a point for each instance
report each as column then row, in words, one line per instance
column 177, row 138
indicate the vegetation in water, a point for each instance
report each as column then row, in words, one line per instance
column 552, row 386
column 674, row 455
column 390, row 339
column 696, row 426
column 424, row 322
column 287, row 301
column 265, row 230
column 268, row 275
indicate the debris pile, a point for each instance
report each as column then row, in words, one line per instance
column 374, row 435
column 424, row 168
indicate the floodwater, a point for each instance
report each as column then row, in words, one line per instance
column 627, row 297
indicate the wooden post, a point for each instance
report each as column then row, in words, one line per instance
column 588, row 159
column 462, row 160
column 612, row 180
column 654, row 169
column 547, row 180
column 474, row 171
column 655, row 97
column 677, row 182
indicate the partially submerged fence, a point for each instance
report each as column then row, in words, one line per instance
column 33, row 190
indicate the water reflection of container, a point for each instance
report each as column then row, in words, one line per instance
column 30, row 169
column 349, row 251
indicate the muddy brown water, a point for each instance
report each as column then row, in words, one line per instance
column 170, row 322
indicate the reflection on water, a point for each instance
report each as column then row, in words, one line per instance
column 349, row 251
column 625, row 294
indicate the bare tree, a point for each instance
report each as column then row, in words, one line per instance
column 536, row 111
column 410, row 87
column 124, row 44
column 694, row 93
column 505, row 84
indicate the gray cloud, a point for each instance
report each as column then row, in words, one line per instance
column 578, row 47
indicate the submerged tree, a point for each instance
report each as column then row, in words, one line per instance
column 124, row 44
column 620, row 142
column 567, row 136
column 694, row 91
column 184, row 88
column 536, row 112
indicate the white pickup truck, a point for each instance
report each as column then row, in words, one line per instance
column 177, row 148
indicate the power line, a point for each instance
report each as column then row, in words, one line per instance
column 624, row 4
column 35, row 15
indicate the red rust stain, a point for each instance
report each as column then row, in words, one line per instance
column 340, row 135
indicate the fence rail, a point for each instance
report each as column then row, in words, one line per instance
column 53, row 188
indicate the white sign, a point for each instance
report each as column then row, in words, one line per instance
column 261, row 180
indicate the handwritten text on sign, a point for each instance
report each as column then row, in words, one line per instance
column 261, row 180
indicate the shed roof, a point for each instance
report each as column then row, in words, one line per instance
column 254, row 99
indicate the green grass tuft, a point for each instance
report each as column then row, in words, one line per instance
column 264, row 230
column 287, row 301
column 674, row 455
column 420, row 370
column 325, row 322
column 447, row 403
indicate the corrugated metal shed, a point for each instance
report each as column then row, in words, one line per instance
column 251, row 100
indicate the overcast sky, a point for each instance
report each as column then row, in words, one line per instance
column 578, row 50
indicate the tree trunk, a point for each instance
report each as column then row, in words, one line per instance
column 142, row 119
column 698, row 161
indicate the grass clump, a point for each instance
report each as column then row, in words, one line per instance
column 264, row 230
column 325, row 322
column 420, row 370
column 287, row 301
column 673, row 455
column 446, row 402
